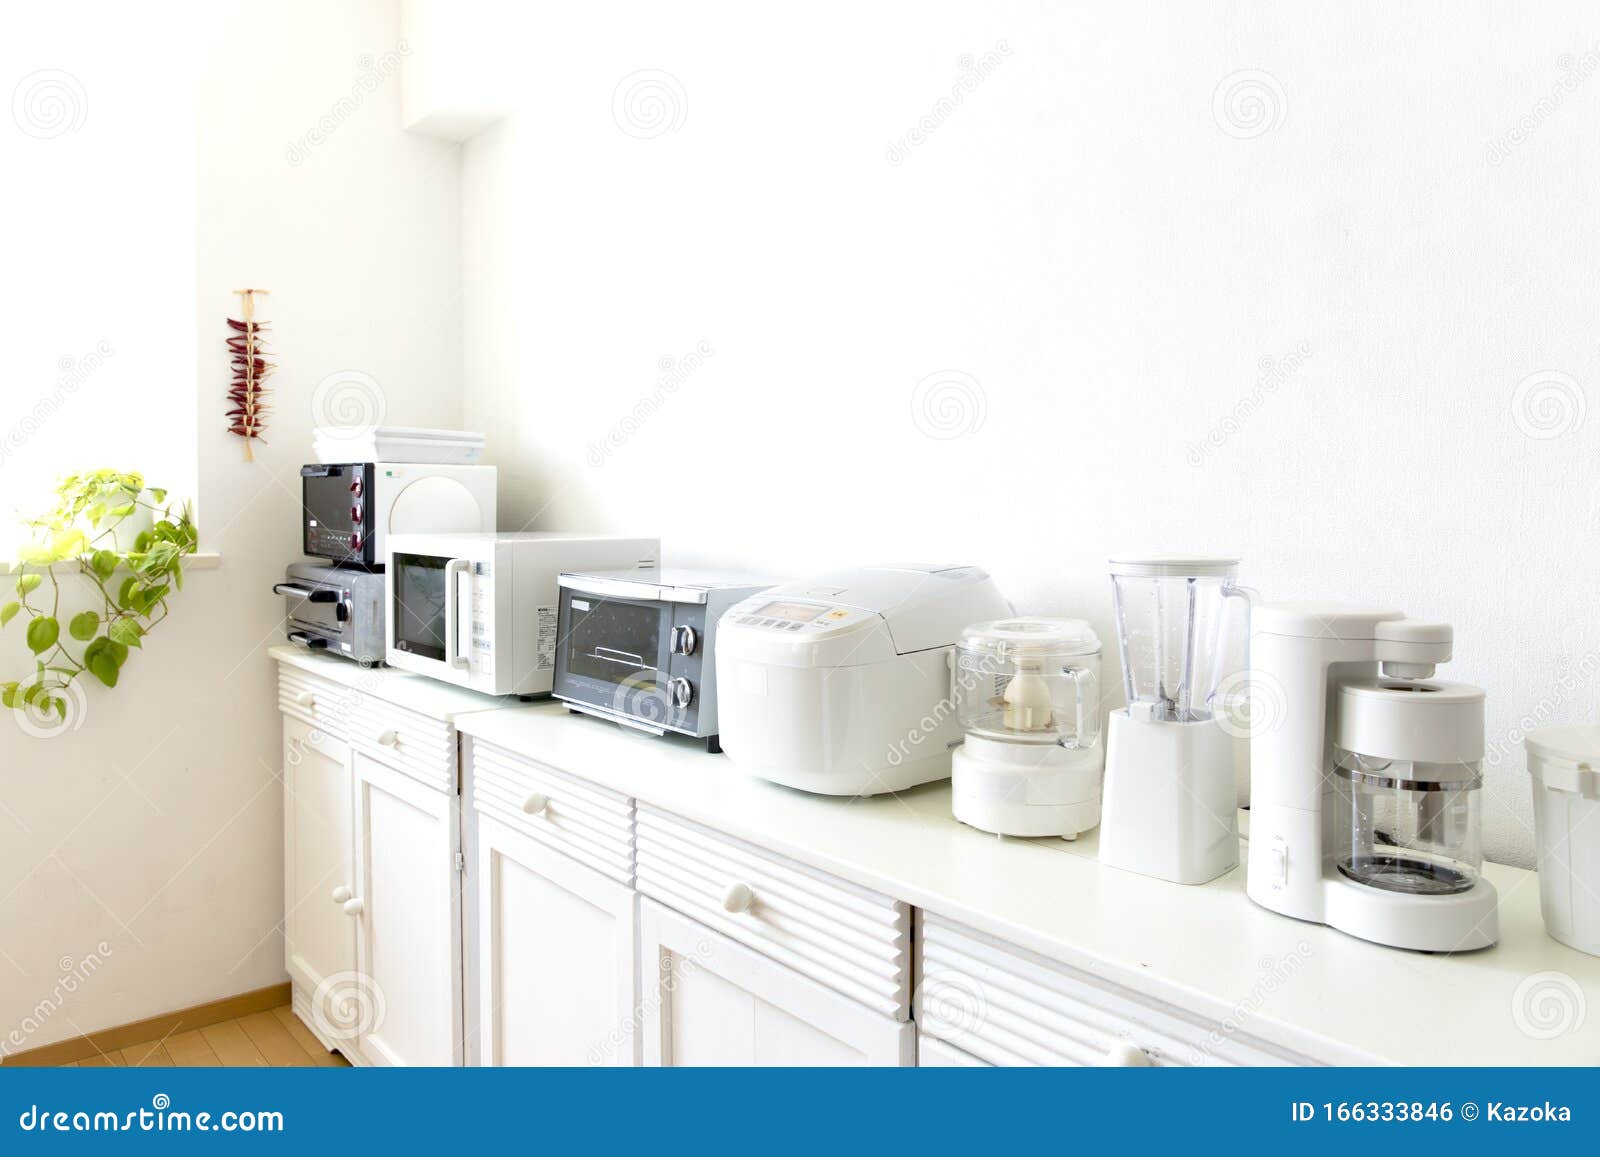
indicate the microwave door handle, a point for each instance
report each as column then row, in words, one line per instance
column 307, row 593
column 452, row 644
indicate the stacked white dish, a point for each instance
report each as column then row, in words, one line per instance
column 1565, row 765
column 336, row 444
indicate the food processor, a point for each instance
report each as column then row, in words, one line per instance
column 1027, row 693
column 1170, row 795
column 1366, row 793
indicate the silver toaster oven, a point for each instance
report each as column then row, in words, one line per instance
column 638, row 647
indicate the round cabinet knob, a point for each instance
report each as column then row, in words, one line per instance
column 354, row 907
column 1126, row 1056
column 682, row 692
column 305, row 699
column 536, row 803
column 388, row 738
column 738, row 898
column 341, row 894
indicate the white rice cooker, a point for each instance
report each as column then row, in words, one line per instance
column 840, row 684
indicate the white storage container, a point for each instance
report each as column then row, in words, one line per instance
column 1565, row 765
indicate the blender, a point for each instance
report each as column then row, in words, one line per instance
column 1366, row 793
column 1170, row 795
column 1027, row 692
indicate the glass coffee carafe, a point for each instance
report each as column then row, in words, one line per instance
column 1170, row 613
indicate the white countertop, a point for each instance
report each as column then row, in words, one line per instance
column 1207, row 950
column 402, row 688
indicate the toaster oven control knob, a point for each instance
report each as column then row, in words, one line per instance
column 355, row 487
column 682, row 692
column 355, row 515
column 355, row 542
column 684, row 640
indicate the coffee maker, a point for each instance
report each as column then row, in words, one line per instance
column 1366, row 779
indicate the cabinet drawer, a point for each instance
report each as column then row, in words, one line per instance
column 409, row 742
column 320, row 702
column 846, row 937
column 1007, row 1006
column 592, row 825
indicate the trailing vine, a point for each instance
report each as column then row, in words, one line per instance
column 82, row 532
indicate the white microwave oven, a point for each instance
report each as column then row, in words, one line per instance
column 481, row 610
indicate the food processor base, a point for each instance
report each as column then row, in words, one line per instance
column 1014, row 789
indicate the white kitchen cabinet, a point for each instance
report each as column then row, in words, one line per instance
column 709, row 1000
column 1003, row 1005
column 933, row 1053
column 557, row 974
column 319, row 939
column 407, row 914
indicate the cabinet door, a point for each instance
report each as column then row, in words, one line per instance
column 407, row 913
column 709, row 1000
column 318, row 867
column 557, row 973
column 933, row 1053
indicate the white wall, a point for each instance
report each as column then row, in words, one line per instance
column 1154, row 325
column 156, row 827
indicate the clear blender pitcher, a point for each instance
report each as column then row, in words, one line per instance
column 1170, row 800
column 1170, row 614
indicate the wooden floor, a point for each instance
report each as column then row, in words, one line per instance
column 260, row 1040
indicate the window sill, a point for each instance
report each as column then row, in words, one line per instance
column 201, row 560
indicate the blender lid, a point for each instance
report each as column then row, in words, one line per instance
column 1032, row 637
column 1174, row 565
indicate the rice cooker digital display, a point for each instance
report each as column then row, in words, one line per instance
column 791, row 612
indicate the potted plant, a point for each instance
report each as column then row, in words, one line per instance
column 129, row 546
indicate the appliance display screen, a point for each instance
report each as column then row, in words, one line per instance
column 419, row 604
column 791, row 612
column 613, row 641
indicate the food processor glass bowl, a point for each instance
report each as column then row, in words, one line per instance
column 1030, row 680
column 1408, row 825
column 1170, row 614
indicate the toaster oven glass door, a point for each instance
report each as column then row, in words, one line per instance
column 333, row 501
column 418, row 583
column 616, row 651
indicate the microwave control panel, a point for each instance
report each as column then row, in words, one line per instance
column 477, row 605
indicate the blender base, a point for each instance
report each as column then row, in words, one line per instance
column 1170, row 808
column 1015, row 789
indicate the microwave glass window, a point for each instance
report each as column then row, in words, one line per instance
column 791, row 612
column 419, row 604
column 614, row 642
